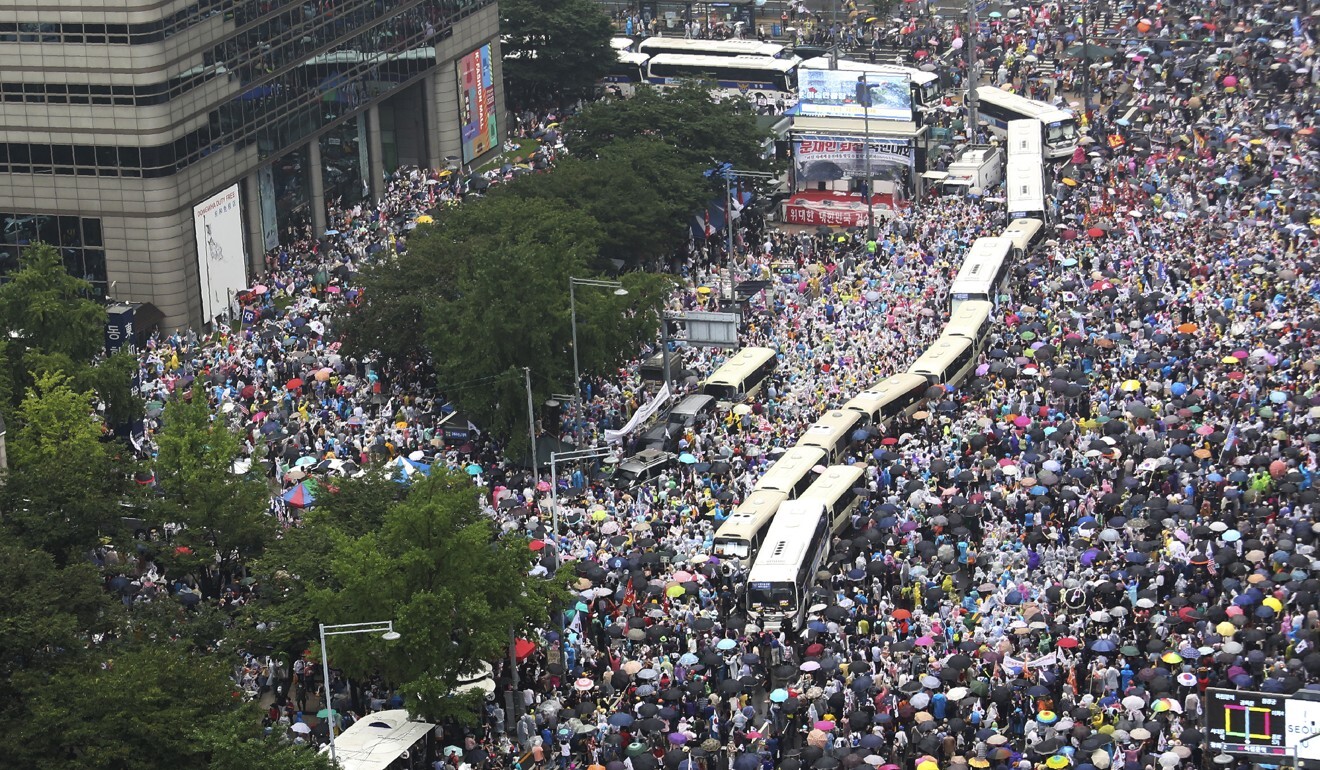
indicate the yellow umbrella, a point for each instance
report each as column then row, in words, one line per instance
column 703, row 290
column 1171, row 657
column 1273, row 603
column 1056, row 762
column 425, row 219
column 675, row 591
column 928, row 764
column 599, row 515
column 1131, row 386
column 1229, row 360
column 1225, row 628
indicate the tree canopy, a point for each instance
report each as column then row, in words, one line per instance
column 554, row 50
column 498, row 301
column 454, row 590
column 703, row 131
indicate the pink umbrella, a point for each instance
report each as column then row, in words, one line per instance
column 825, row 725
column 1022, row 421
column 924, row 641
column 542, row 486
column 1230, row 81
column 982, row 370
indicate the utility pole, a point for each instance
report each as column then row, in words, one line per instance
column 531, row 418
column 973, row 77
column 1086, row 64
column 864, row 96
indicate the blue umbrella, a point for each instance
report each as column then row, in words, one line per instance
column 1103, row 645
column 620, row 719
column 687, row 458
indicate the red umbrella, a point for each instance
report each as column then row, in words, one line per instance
column 293, row 384
column 1068, row 642
column 901, row 614
column 536, row 545
column 1095, row 232
column 522, row 648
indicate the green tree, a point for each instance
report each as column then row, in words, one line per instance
column 224, row 514
column 141, row 709
column 554, row 50
column 642, row 192
column 66, row 482
column 234, row 742
column 45, row 309
column 48, row 614
column 453, row 590
column 495, row 299
column 511, row 310
column 705, row 132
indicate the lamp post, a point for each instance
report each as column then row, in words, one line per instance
column 384, row 628
column 619, row 291
column 864, row 96
column 555, row 457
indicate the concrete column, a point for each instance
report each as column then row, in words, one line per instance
column 375, row 153
column 431, row 123
column 316, row 187
column 446, row 128
column 252, row 220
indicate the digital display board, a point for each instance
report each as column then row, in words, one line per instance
column 1254, row 723
column 476, row 103
column 833, row 94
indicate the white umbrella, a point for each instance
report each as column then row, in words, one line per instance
column 302, row 728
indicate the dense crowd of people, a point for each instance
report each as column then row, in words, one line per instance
column 1054, row 559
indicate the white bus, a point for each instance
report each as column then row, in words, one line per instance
column 925, row 85
column 741, row 534
column 899, row 394
column 946, row 362
column 833, row 432
column 984, row 272
column 779, row 583
column 1026, row 234
column 741, row 376
column 971, row 321
column 835, row 491
column 757, row 78
column 791, row 473
column 1058, row 127
column 622, row 43
column 690, row 47
column 627, row 73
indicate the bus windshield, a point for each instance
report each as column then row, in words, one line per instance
column 771, row 595
column 1062, row 132
column 737, row 549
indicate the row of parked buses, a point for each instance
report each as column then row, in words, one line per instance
column 784, row 527
column 762, row 72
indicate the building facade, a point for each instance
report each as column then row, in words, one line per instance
column 164, row 145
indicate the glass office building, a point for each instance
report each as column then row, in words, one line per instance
column 140, row 135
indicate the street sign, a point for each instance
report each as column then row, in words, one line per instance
column 1248, row 723
column 710, row 330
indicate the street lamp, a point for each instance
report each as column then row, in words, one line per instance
column 864, row 97
column 619, row 291
column 555, row 457
column 385, row 628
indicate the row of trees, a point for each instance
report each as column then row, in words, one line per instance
column 92, row 677
column 484, row 292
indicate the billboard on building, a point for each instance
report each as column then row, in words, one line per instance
column 476, row 103
column 221, row 260
column 833, row 94
column 832, row 158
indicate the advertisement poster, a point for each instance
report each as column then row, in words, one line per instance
column 221, row 260
column 833, row 94
column 476, row 104
column 833, row 158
